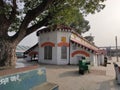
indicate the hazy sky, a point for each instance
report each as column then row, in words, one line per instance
column 105, row 25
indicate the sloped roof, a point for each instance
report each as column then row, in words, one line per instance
column 54, row 28
column 21, row 48
column 30, row 49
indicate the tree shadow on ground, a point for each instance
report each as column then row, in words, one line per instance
column 74, row 73
column 52, row 66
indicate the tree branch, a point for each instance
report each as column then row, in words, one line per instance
column 4, row 23
column 32, row 14
column 33, row 28
column 1, row 3
column 44, row 22
column 13, row 12
column 2, row 15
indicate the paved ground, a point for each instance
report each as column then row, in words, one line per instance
column 67, row 77
column 23, row 63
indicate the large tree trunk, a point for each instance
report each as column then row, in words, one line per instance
column 7, row 54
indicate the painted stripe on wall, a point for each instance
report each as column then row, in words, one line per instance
column 80, row 52
column 48, row 44
column 63, row 44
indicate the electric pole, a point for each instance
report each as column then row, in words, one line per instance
column 116, row 48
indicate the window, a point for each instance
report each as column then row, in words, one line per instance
column 48, row 52
column 63, row 52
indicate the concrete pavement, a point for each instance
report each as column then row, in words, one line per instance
column 68, row 78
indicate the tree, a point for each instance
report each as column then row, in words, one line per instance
column 26, row 16
column 75, row 20
column 80, row 25
column 90, row 38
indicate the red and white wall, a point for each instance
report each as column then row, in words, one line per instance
column 77, row 47
column 62, row 37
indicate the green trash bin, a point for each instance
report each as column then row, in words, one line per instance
column 81, row 71
column 83, row 66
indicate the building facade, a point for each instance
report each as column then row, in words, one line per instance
column 62, row 45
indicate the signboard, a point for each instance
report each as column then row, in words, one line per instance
column 24, row 80
column 63, row 39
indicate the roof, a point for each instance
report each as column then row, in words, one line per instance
column 63, row 27
column 21, row 48
column 30, row 49
column 81, row 41
column 55, row 28
column 92, row 48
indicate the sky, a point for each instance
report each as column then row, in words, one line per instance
column 105, row 25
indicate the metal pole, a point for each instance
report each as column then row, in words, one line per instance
column 116, row 48
column 69, row 50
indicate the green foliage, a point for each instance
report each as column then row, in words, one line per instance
column 31, row 4
column 70, row 15
column 67, row 12
column 15, row 26
column 90, row 38
column 6, row 10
